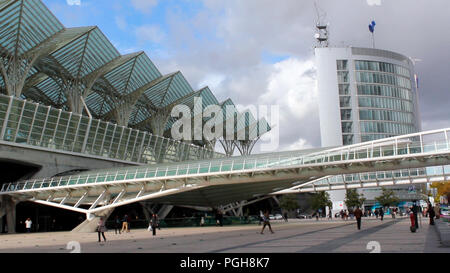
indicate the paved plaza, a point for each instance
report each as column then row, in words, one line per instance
column 296, row 236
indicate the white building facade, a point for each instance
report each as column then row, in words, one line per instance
column 365, row 94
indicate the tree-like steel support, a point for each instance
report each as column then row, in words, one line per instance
column 228, row 146
column 245, row 147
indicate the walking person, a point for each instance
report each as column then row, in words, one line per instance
column 154, row 223
column 128, row 223
column 358, row 215
column 431, row 213
column 415, row 210
column 28, row 224
column 101, row 228
column 285, row 217
column 220, row 218
column 437, row 211
column 125, row 224
column 117, row 224
column 266, row 220
column 381, row 214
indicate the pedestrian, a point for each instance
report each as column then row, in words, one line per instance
column 217, row 216
column 431, row 213
column 381, row 214
column 28, row 223
column 125, row 224
column 128, row 223
column 437, row 211
column 260, row 218
column 285, row 217
column 358, row 214
column 220, row 218
column 415, row 210
column 117, row 224
column 266, row 220
column 101, row 228
column 377, row 212
column 202, row 221
column 154, row 223
column 53, row 225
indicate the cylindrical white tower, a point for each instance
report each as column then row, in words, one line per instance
column 364, row 94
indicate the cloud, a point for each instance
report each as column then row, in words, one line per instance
column 300, row 144
column 121, row 22
column 374, row 2
column 212, row 81
column 144, row 6
column 73, row 2
column 228, row 38
column 149, row 33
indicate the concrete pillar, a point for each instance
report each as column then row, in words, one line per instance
column 147, row 209
column 10, row 209
column 164, row 211
column 2, row 213
column 90, row 224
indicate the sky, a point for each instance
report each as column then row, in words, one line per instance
column 261, row 52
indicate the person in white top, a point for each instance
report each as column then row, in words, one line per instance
column 28, row 223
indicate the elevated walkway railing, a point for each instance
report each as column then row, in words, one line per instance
column 430, row 143
column 25, row 122
column 373, row 179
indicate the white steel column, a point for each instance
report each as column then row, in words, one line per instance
column 5, row 122
column 20, row 121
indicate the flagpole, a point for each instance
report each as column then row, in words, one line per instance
column 373, row 40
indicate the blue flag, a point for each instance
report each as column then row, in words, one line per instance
column 372, row 26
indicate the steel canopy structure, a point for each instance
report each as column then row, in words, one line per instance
column 217, row 181
column 80, row 71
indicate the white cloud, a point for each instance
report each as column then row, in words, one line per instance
column 238, row 32
column 121, row 22
column 150, row 33
column 300, row 144
column 213, row 81
column 144, row 6
column 73, row 2
column 374, row 2
column 292, row 85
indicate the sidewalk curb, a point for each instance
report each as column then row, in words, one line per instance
column 443, row 229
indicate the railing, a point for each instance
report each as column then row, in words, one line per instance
column 25, row 122
column 378, row 177
column 396, row 147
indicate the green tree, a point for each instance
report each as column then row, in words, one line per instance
column 320, row 201
column 387, row 198
column 354, row 199
column 289, row 202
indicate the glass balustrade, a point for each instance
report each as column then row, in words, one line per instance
column 25, row 122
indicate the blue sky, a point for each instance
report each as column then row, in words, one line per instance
column 139, row 24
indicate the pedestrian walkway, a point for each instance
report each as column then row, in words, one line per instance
column 295, row 236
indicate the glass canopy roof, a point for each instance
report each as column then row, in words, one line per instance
column 54, row 59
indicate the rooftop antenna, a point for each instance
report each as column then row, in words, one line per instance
column 322, row 30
